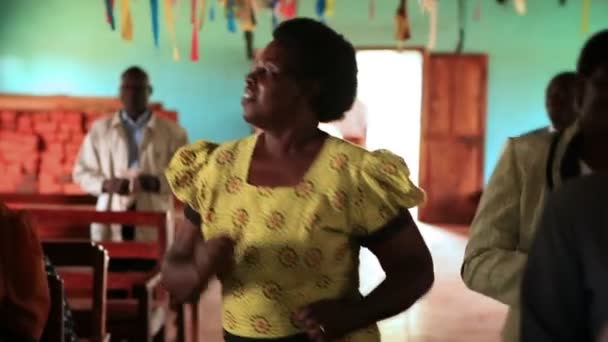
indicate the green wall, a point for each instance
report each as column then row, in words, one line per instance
column 66, row 47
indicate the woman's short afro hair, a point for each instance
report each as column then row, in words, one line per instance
column 326, row 57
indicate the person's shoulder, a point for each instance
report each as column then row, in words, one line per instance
column 528, row 146
column 205, row 148
column 103, row 124
column 170, row 125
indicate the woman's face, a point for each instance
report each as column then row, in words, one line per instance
column 271, row 89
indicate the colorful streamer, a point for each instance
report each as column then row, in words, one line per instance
column 371, row 10
column 212, row 12
column 320, row 9
column 402, row 32
column 477, row 14
column 585, row 16
column 329, row 7
column 231, row 16
column 194, row 46
column 288, row 8
column 126, row 20
column 154, row 10
column 203, row 14
column 110, row 13
column 431, row 7
column 461, row 25
column 170, row 20
column 194, row 49
column 520, row 7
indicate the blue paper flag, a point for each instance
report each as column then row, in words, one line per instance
column 212, row 12
column 110, row 13
column 231, row 16
column 320, row 9
column 154, row 10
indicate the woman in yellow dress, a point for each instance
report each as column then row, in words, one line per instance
column 280, row 216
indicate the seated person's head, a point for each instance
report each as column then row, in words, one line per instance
column 560, row 100
column 593, row 89
column 306, row 75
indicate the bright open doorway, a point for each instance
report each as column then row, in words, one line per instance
column 390, row 88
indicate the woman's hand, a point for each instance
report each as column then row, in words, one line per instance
column 216, row 254
column 328, row 320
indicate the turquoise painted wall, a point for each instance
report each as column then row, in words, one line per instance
column 66, row 47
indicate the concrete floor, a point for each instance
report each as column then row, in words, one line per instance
column 449, row 312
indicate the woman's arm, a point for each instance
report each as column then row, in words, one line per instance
column 190, row 262
column 407, row 263
column 408, row 266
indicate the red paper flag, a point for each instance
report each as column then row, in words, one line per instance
column 194, row 50
column 289, row 8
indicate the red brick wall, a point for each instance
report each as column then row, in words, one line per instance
column 38, row 148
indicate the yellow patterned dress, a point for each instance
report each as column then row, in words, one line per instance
column 294, row 245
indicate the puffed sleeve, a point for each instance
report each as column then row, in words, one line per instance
column 184, row 172
column 384, row 190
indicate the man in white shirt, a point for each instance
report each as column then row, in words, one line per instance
column 123, row 157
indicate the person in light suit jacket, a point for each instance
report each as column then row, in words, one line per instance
column 123, row 157
column 529, row 168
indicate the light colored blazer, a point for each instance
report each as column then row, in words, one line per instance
column 104, row 154
column 507, row 218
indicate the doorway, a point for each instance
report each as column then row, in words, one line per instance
column 390, row 88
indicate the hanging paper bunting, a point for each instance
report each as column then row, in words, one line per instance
column 461, row 25
column 194, row 53
column 203, row 14
column 231, row 15
column 212, row 11
column 192, row 11
column 477, row 14
column 320, row 9
column 154, row 10
column 126, row 21
column 288, row 8
column 402, row 32
column 562, row 2
column 431, row 7
column 110, row 13
column 170, row 20
column 372, row 9
column 329, row 7
column 585, row 16
column 520, row 6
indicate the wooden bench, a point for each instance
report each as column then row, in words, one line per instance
column 142, row 314
column 86, row 292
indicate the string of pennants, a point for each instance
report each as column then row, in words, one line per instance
column 238, row 14
column 243, row 14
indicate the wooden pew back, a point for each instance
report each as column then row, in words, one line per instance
column 89, row 306
column 69, row 217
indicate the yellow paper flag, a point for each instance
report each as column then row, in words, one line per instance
column 329, row 7
column 170, row 20
column 126, row 21
column 585, row 16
